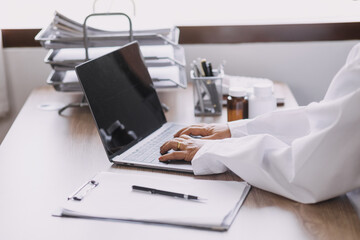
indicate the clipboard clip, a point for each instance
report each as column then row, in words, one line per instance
column 81, row 193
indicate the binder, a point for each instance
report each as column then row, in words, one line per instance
column 109, row 196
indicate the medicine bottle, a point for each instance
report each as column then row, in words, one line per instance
column 262, row 100
column 237, row 104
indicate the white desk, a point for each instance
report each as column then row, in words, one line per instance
column 45, row 157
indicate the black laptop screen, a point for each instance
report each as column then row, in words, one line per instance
column 122, row 99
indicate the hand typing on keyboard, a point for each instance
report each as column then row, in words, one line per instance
column 184, row 147
column 206, row 131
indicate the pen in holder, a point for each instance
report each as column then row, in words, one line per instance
column 208, row 93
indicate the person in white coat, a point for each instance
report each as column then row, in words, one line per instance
column 307, row 154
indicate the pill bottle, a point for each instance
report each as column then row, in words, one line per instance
column 237, row 104
column 262, row 100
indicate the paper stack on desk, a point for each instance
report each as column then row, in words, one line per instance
column 65, row 40
column 64, row 32
column 164, row 62
column 112, row 198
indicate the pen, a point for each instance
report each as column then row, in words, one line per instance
column 210, row 70
column 205, row 68
column 165, row 193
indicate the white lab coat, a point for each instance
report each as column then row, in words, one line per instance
column 307, row 154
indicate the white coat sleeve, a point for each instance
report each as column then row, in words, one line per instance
column 307, row 154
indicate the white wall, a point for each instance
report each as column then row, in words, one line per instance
column 187, row 12
column 25, row 70
column 307, row 67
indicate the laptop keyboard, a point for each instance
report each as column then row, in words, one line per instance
column 150, row 152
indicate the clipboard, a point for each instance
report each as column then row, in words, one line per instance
column 109, row 196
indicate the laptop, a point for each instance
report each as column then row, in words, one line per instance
column 126, row 109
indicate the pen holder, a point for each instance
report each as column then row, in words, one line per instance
column 208, row 94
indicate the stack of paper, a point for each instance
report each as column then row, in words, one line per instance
column 64, row 37
column 112, row 198
column 64, row 32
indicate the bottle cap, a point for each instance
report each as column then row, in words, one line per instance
column 263, row 90
column 237, row 92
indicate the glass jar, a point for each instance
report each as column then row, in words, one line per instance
column 237, row 104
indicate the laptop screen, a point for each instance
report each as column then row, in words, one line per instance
column 121, row 97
